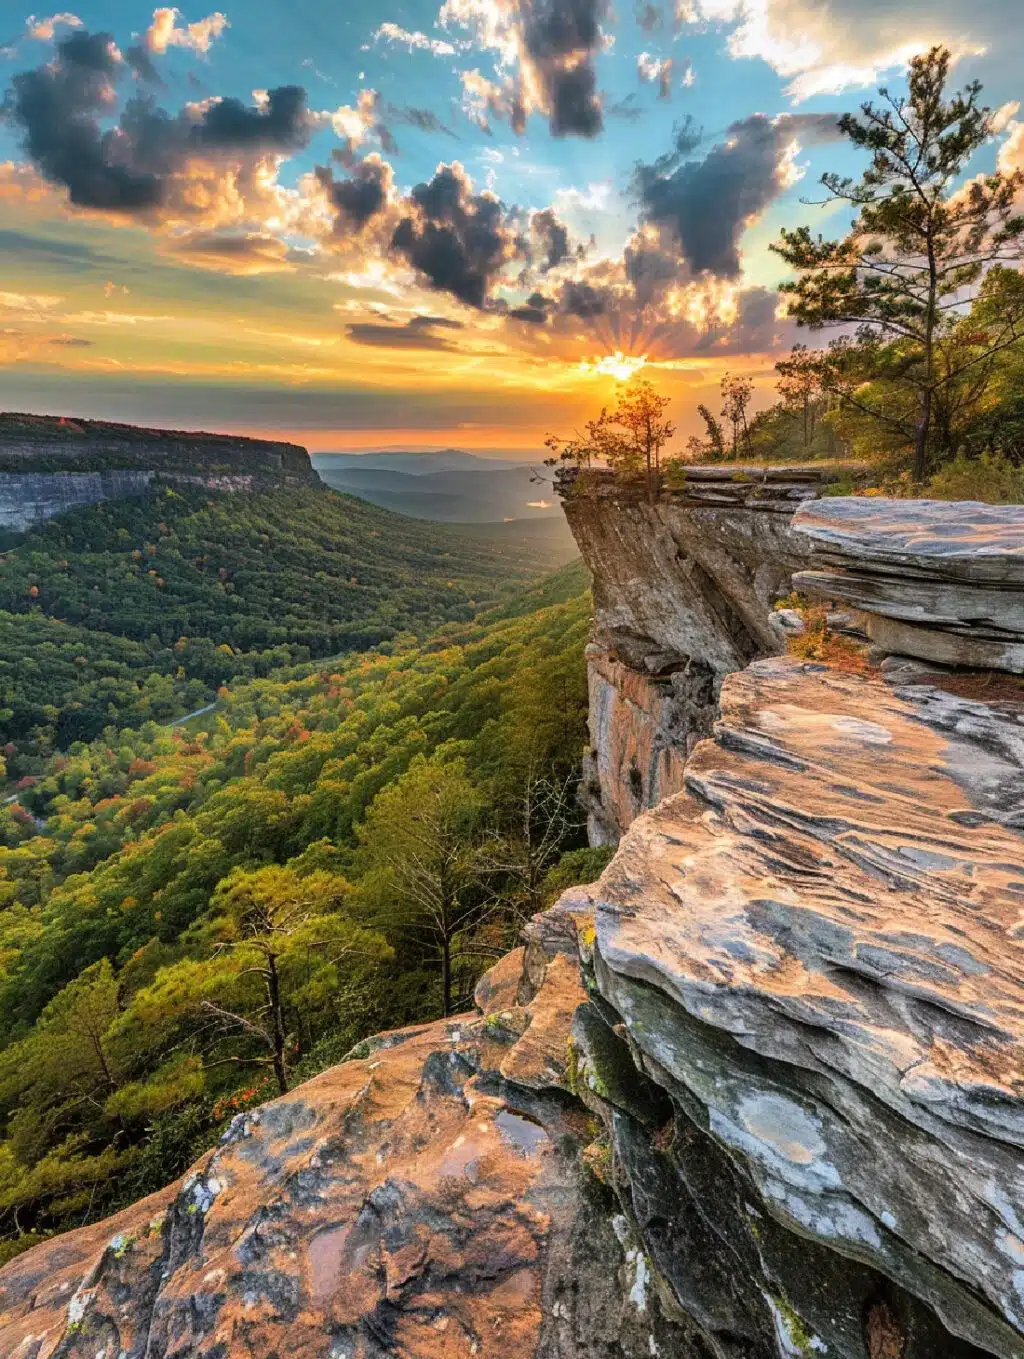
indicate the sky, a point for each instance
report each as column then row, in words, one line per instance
column 415, row 224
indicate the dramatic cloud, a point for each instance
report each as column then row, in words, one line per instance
column 457, row 240
column 356, row 125
column 362, row 196
column 704, row 206
column 58, row 106
column 584, row 300
column 546, row 52
column 127, row 168
column 534, row 312
column 826, row 46
column 246, row 253
column 552, row 236
column 199, row 37
column 416, row 333
column 280, row 122
column 44, row 30
column 656, row 71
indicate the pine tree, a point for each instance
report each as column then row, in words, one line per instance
column 921, row 242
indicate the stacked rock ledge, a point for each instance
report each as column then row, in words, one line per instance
column 937, row 580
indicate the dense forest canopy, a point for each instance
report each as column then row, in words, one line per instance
column 139, row 609
column 152, row 878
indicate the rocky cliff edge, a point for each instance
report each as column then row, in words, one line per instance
column 757, row 1093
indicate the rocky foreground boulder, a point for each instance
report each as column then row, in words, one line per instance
column 757, row 1093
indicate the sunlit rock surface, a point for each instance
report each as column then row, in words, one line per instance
column 427, row 1199
column 816, row 951
column 939, row 580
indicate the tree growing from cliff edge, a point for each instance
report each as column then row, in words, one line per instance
column 920, row 245
column 630, row 437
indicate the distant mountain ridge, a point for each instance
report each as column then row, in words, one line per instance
column 416, row 464
column 451, row 486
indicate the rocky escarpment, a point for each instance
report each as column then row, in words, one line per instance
column 816, row 952
column 49, row 465
column 683, row 588
column 756, row 1094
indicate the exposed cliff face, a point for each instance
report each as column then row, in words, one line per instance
column 683, row 590
column 50, row 465
column 756, row 1094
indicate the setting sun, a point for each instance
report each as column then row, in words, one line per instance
column 619, row 366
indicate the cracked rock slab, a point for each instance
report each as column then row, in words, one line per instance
column 818, row 947
column 411, row 1202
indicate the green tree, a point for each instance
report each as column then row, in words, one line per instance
column 630, row 438
column 737, row 393
column 920, row 244
column 420, row 846
column 276, row 940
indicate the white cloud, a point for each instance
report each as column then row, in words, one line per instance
column 198, row 37
column 656, row 71
column 826, row 46
column 43, row 30
column 419, row 41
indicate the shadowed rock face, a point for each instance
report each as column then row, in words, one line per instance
column 50, row 465
column 683, row 590
column 935, row 580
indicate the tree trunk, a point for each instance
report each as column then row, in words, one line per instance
column 446, row 977
column 921, row 437
column 277, row 1023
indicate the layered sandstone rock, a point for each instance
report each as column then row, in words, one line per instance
column 816, row 953
column 49, row 465
column 683, row 590
column 943, row 581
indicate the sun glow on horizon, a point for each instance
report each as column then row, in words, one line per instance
column 619, row 366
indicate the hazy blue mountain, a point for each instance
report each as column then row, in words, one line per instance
column 477, row 491
column 416, row 464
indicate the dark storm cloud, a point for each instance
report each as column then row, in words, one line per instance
column 360, row 197
column 281, row 125
column 124, row 169
column 583, row 300
column 707, row 204
column 552, row 236
column 457, row 239
column 535, row 312
column 561, row 39
column 649, row 269
column 417, row 333
column 58, row 105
